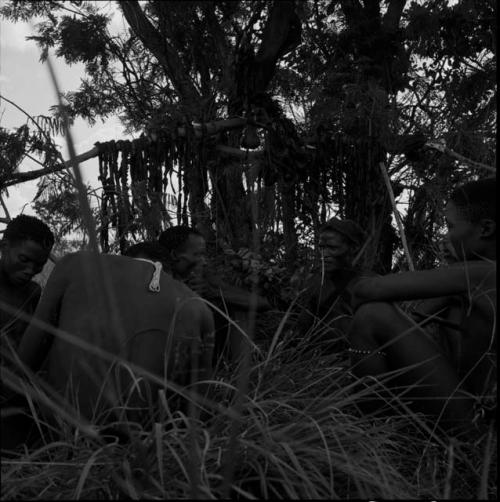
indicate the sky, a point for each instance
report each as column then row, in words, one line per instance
column 26, row 81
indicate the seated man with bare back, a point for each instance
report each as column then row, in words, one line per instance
column 446, row 380
column 129, row 308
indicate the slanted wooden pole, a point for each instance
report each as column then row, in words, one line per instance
column 397, row 216
column 32, row 175
column 7, row 215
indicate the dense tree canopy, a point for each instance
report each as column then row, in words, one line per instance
column 329, row 91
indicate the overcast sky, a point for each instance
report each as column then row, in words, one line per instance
column 26, row 81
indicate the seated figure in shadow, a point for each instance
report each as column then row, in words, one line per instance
column 325, row 303
column 188, row 262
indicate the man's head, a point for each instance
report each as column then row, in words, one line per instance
column 149, row 250
column 471, row 220
column 26, row 245
column 339, row 242
column 186, row 249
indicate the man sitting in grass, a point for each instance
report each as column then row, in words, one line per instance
column 25, row 247
column 186, row 248
column 443, row 381
column 327, row 302
column 132, row 310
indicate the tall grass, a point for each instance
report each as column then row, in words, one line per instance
column 300, row 436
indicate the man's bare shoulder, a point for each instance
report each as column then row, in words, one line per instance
column 70, row 259
column 80, row 259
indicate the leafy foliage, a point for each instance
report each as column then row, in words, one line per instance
column 57, row 203
column 82, row 40
column 26, row 140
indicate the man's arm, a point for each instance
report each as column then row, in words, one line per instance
column 36, row 340
column 461, row 278
column 234, row 296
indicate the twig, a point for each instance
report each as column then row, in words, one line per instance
column 397, row 215
column 361, row 251
column 47, row 136
column 444, row 149
column 5, row 208
column 31, row 175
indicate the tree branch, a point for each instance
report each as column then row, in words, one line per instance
column 32, row 175
column 45, row 134
column 444, row 149
column 154, row 42
column 281, row 34
column 393, row 15
column 199, row 131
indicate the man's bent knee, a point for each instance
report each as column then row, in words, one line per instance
column 374, row 312
column 376, row 323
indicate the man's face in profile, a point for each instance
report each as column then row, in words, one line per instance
column 335, row 250
column 190, row 255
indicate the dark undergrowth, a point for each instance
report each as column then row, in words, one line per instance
column 299, row 434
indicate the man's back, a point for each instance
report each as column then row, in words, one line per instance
column 152, row 329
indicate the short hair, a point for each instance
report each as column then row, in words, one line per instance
column 150, row 249
column 347, row 228
column 477, row 199
column 24, row 227
column 174, row 238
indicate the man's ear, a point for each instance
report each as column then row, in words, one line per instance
column 488, row 228
column 174, row 256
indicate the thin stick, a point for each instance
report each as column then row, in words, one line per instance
column 361, row 251
column 397, row 215
column 47, row 137
column 243, row 376
column 31, row 175
column 96, row 272
column 444, row 149
column 5, row 208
